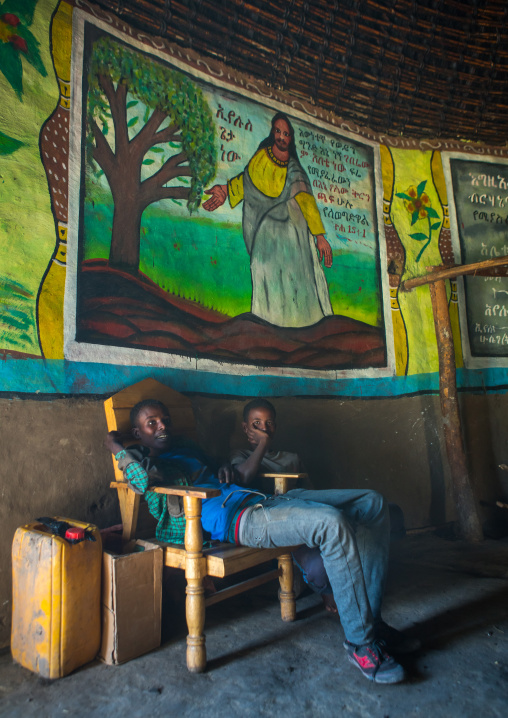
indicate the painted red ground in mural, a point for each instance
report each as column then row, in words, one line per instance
column 119, row 309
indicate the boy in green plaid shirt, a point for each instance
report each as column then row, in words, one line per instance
column 161, row 459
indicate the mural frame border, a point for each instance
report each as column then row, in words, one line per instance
column 88, row 352
column 470, row 361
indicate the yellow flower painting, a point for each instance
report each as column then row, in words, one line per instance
column 417, row 203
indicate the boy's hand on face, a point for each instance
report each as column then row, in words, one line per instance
column 260, row 427
column 255, row 435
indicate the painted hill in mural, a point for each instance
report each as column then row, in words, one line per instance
column 119, row 309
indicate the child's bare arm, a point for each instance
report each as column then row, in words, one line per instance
column 114, row 441
column 247, row 471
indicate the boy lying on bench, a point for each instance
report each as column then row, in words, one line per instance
column 324, row 519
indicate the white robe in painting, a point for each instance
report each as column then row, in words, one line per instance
column 289, row 288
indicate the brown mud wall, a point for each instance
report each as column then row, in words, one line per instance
column 53, row 462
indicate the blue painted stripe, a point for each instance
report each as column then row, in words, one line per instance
column 39, row 376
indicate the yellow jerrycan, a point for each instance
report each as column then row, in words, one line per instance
column 56, row 620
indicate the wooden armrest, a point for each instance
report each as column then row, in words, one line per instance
column 197, row 492
column 284, row 474
column 283, row 480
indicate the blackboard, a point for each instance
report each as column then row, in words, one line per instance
column 480, row 192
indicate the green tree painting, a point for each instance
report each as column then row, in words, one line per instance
column 17, row 41
column 150, row 131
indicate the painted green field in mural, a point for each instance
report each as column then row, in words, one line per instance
column 210, row 265
column 354, row 290
column 198, row 269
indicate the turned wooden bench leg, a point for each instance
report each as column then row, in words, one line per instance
column 287, row 594
column 195, row 571
column 129, row 509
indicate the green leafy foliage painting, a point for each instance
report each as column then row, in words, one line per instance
column 16, row 41
column 17, row 314
column 151, row 133
column 8, row 145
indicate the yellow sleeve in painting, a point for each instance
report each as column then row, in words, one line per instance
column 308, row 205
column 268, row 177
column 235, row 190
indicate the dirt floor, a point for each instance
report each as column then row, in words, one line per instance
column 453, row 595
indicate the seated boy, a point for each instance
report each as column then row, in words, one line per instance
column 259, row 424
column 323, row 519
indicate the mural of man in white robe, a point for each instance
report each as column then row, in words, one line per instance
column 282, row 230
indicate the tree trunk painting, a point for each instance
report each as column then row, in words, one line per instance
column 174, row 137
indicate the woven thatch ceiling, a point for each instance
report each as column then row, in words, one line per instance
column 433, row 68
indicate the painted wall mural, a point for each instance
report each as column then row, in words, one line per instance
column 26, row 224
column 212, row 226
column 480, row 191
column 418, row 237
column 163, row 212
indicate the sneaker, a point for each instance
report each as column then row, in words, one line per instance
column 396, row 641
column 374, row 662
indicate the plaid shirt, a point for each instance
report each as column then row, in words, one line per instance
column 170, row 528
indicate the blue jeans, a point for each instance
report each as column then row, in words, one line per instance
column 311, row 565
column 350, row 527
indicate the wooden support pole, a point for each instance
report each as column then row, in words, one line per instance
column 469, row 521
column 462, row 490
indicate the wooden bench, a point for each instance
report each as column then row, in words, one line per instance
column 219, row 561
